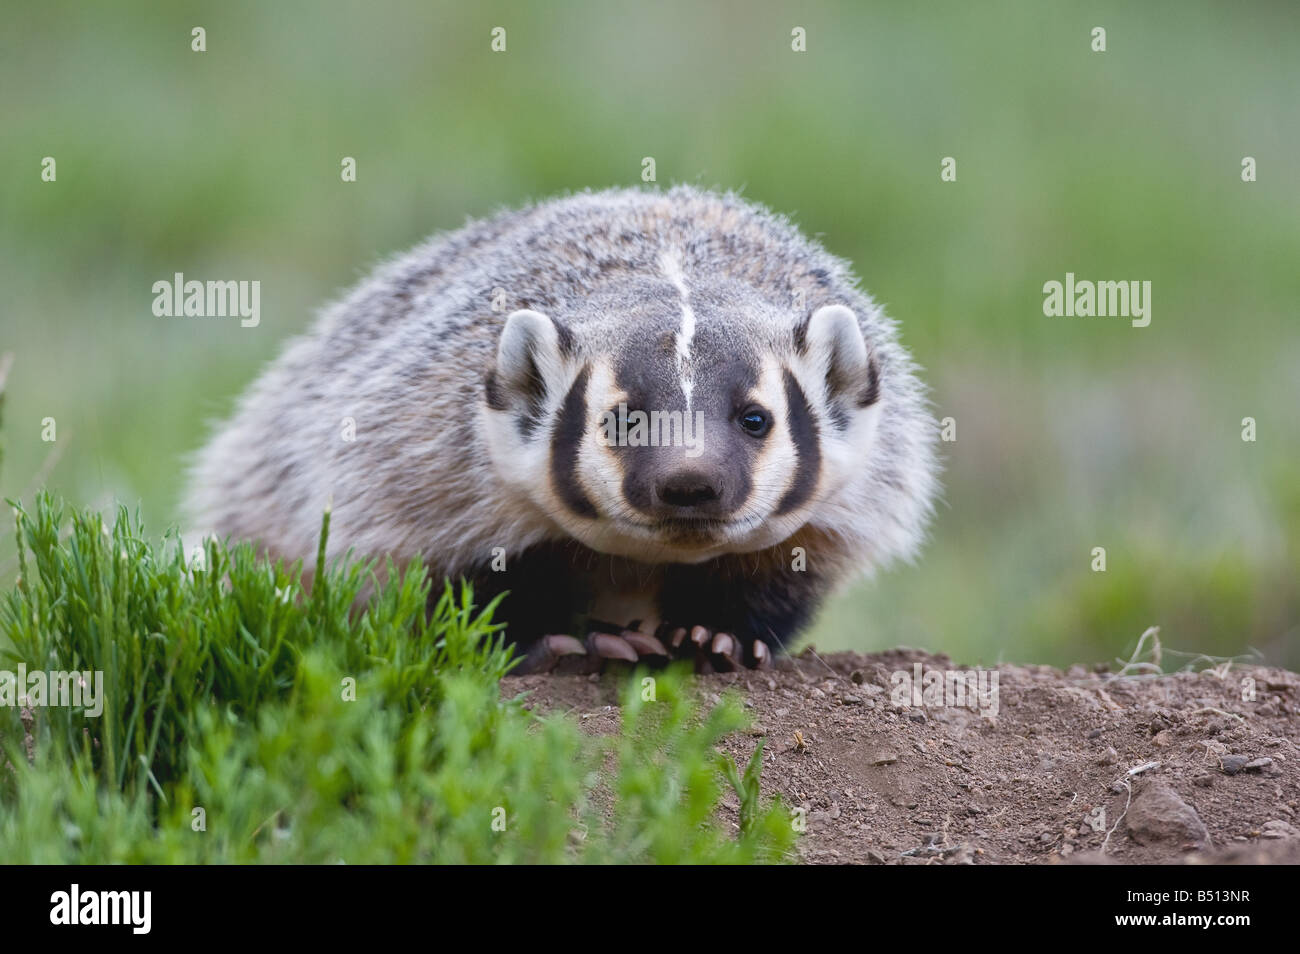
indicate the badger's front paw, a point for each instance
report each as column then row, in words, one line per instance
column 710, row 650
column 550, row 652
column 564, row 654
column 715, row 651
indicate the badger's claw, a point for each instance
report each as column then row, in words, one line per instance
column 714, row 651
column 609, row 646
column 710, row 651
column 645, row 645
column 546, row 653
column 726, row 653
column 701, row 636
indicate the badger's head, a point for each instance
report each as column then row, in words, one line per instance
column 670, row 429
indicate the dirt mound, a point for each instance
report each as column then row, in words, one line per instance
column 901, row 758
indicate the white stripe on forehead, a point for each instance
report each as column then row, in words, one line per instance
column 670, row 261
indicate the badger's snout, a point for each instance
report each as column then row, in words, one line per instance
column 670, row 489
column 689, row 492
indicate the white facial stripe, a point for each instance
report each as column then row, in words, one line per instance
column 671, row 263
column 777, row 459
column 598, row 463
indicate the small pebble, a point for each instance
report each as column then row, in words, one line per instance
column 1232, row 764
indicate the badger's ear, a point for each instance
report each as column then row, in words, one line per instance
column 832, row 340
column 528, row 356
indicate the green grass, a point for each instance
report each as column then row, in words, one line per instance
column 246, row 720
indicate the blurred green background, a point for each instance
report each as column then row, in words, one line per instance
column 1071, row 433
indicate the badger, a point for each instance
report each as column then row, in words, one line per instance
column 658, row 425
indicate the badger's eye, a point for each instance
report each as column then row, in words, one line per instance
column 755, row 422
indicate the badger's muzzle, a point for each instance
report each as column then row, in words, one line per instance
column 689, row 493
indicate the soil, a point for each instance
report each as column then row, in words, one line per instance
column 1077, row 766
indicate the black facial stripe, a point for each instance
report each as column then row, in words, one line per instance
column 803, row 431
column 570, row 427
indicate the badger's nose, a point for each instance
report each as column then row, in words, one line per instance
column 689, row 489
